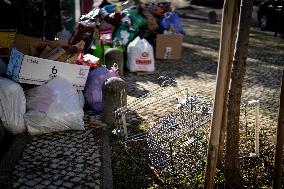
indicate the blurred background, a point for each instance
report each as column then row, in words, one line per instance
column 45, row 18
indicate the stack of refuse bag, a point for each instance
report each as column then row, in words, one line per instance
column 131, row 27
column 38, row 94
column 54, row 106
column 51, row 107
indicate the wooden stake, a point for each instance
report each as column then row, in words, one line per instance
column 277, row 173
column 224, row 57
column 227, row 84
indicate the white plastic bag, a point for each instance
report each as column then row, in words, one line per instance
column 140, row 56
column 54, row 106
column 81, row 99
column 12, row 106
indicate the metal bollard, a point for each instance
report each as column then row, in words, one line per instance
column 212, row 17
column 114, row 93
column 114, row 55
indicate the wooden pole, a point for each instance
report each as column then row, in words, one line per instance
column 277, row 173
column 224, row 56
column 227, row 84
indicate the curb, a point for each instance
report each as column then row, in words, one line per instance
column 182, row 15
column 107, row 178
column 10, row 159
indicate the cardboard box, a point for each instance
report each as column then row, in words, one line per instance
column 27, row 44
column 7, row 38
column 33, row 70
column 169, row 46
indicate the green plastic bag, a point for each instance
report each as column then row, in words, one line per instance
column 125, row 35
column 137, row 20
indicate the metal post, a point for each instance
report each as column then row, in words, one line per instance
column 257, row 128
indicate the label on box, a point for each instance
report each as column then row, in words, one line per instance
column 168, row 53
column 15, row 63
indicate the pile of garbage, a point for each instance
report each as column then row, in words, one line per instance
column 132, row 27
column 45, row 86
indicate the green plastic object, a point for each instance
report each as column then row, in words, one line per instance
column 99, row 52
column 125, row 35
column 137, row 20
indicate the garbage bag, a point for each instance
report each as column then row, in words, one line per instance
column 170, row 23
column 137, row 20
column 151, row 20
column 81, row 99
column 140, row 56
column 146, row 33
column 110, row 8
column 54, row 106
column 159, row 9
column 104, row 3
column 124, row 35
column 93, row 87
column 12, row 106
column 113, row 18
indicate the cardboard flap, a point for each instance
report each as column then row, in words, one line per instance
column 25, row 43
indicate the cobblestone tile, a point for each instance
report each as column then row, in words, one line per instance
column 68, row 184
column 39, row 186
column 46, row 182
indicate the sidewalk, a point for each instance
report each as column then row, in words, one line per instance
column 70, row 159
column 201, row 13
column 198, row 12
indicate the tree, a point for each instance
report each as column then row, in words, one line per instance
column 232, row 169
column 278, row 158
column 227, row 85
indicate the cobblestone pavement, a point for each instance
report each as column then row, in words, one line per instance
column 63, row 160
column 197, row 70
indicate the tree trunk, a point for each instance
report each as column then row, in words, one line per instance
column 224, row 56
column 227, row 84
column 280, row 141
column 232, row 169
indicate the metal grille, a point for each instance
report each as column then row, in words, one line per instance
column 175, row 138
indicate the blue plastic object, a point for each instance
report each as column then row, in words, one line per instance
column 171, row 23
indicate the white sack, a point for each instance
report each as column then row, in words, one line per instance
column 140, row 56
column 12, row 106
column 54, row 106
column 81, row 99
